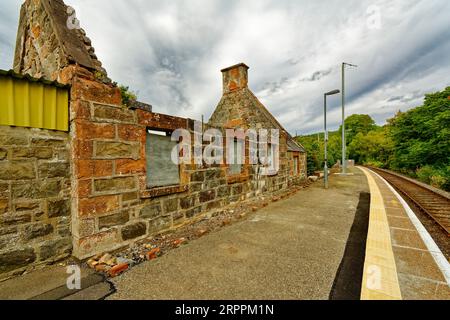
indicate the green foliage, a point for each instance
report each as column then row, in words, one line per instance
column 375, row 146
column 437, row 177
column 422, row 135
column 425, row 173
column 416, row 142
column 127, row 96
column 357, row 123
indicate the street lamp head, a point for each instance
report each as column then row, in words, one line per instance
column 332, row 92
column 350, row 65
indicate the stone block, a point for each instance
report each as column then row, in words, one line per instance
column 161, row 121
column 3, row 153
column 87, row 130
column 187, row 202
column 37, row 230
column 48, row 142
column 96, row 243
column 130, row 196
column 15, row 219
column 85, row 89
column 127, row 166
column 116, row 150
column 11, row 140
column 58, row 208
column 131, row 132
column 198, row 176
column 84, row 149
column 57, row 248
column 16, row 259
column 113, row 114
column 223, row 191
column 84, row 188
column 193, row 212
column 170, row 205
column 94, row 168
column 17, row 170
column 117, row 219
column 118, row 185
column 54, row 170
column 35, row 190
column 237, row 190
column 80, row 110
column 134, row 231
column 196, row 187
column 26, row 206
column 4, row 205
column 8, row 230
column 151, row 211
column 32, row 152
column 206, row 196
column 159, row 224
column 98, row 205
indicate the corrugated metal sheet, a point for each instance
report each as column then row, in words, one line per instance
column 36, row 103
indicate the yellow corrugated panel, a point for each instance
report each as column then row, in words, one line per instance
column 26, row 103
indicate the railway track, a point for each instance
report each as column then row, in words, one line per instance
column 434, row 204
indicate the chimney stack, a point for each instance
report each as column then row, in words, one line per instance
column 235, row 77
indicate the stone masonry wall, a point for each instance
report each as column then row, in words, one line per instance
column 34, row 197
column 111, row 204
column 94, row 179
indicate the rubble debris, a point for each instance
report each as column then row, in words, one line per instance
column 153, row 254
column 118, row 269
column 178, row 242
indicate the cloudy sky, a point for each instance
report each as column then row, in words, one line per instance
column 171, row 52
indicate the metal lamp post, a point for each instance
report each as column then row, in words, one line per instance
column 344, row 143
column 326, row 133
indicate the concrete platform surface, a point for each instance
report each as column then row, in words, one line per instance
column 292, row 249
column 47, row 283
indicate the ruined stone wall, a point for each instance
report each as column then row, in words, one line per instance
column 34, row 197
column 112, row 206
column 38, row 51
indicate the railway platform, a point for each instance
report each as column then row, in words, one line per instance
column 402, row 260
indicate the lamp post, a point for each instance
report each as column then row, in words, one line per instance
column 344, row 143
column 326, row 133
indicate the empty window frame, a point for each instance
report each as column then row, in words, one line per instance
column 161, row 170
column 236, row 165
column 296, row 165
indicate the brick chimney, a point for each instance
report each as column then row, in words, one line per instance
column 235, row 77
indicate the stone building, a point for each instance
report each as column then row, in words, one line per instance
column 107, row 182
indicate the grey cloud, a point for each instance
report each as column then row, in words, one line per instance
column 316, row 76
column 171, row 52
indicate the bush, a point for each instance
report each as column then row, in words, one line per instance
column 438, row 181
column 425, row 173
column 436, row 177
column 127, row 95
column 375, row 163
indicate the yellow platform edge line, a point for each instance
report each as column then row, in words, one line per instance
column 380, row 279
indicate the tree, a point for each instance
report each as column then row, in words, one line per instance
column 421, row 136
column 375, row 148
column 357, row 123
